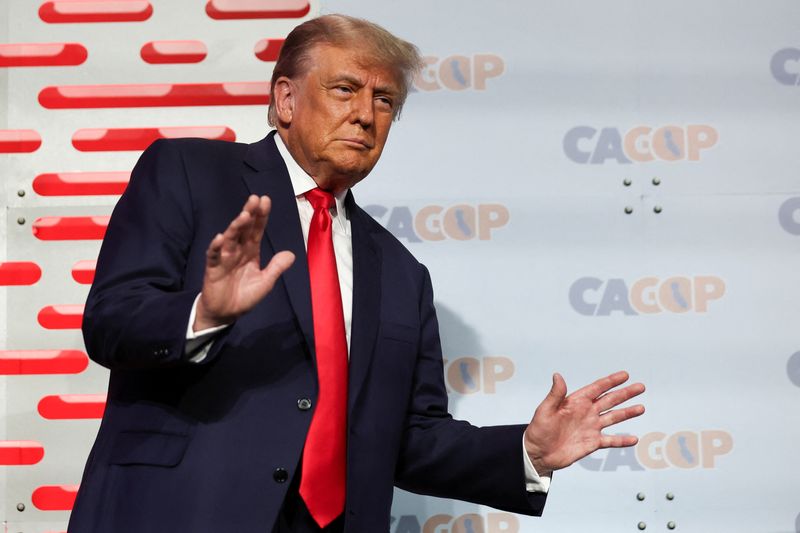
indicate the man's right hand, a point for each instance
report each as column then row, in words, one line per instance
column 234, row 281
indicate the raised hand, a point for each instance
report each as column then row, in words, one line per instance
column 234, row 281
column 566, row 428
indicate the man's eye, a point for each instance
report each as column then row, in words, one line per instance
column 344, row 89
column 387, row 102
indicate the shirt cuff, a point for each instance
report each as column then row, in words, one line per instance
column 198, row 343
column 533, row 481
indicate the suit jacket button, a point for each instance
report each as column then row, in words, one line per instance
column 304, row 404
column 280, row 475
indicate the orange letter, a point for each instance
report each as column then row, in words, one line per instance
column 432, row 524
column 496, row 369
column 637, row 295
column 707, row 288
column 491, row 216
column 502, row 523
column 486, row 66
column 425, row 80
column 643, row 451
column 432, row 232
column 632, row 144
column 700, row 136
column 715, row 443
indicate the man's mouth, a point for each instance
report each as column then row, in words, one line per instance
column 362, row 143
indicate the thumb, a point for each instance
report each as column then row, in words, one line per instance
column 279, row 263
column 557, row 392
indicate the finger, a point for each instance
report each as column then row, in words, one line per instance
column 620, row 415
column 214, row 251
column 260, row 216
column 251, row 204
column 602, row 385
column 614, row 398
column 233, row 234
column 279, row 263
column 617, row 441
column 557, row 393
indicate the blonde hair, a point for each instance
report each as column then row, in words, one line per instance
column 378, row 44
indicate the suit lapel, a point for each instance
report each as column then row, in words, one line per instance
column 265, row 173
column 366, row 299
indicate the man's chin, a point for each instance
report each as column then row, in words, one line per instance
column 344, row 177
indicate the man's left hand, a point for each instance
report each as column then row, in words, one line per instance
column 566, row 428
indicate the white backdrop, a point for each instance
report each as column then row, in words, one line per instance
column 594, row 186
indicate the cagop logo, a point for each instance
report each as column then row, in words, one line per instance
column 793, row 368
column 468, row 375
column 649, row 295
column 789, row 215
column 657, row 451
column 494, row 522
column 460, row 222
column 785, row 66
column 640, row 144
column 457, row 73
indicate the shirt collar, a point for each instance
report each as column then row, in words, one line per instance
column 301, row 181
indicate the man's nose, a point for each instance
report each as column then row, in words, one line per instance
column 362, row 111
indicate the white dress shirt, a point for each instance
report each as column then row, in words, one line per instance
column 198, row 343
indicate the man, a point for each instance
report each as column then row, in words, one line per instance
column 308, row 379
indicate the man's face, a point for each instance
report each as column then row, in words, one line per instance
column 340, row 114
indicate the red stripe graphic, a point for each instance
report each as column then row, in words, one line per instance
column 83, row 271
column 268, row 49
column 155, row 95
column 80, row 183
column 19, row 273
column 174, row 51
column 55, row 497
column 72, row 406
column 98, row 140
column 19, row 141
column 20, row 452
column 257, row 9
column 27, row 362
column 70, row 228
column 41, row 54
column 58, row 11
column 63, row 316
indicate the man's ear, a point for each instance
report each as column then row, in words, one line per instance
column 284, row 94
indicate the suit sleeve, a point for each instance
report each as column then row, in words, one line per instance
column 452, row 458
column 138, row 308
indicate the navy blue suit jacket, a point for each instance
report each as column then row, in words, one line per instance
column 212, row 447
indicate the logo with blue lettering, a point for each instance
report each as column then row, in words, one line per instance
column 458, row 73
column 640, row 144
column 591, row 296
column 493, row 522
column 785, row 66
column 460, row 222
column 657, row 451
column 789, row 215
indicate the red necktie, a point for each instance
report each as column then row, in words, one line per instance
column 322, row 486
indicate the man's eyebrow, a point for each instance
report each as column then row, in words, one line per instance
column 390, row 89
column 349, row 78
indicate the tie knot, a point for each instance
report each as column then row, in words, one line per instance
column 320, row 199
